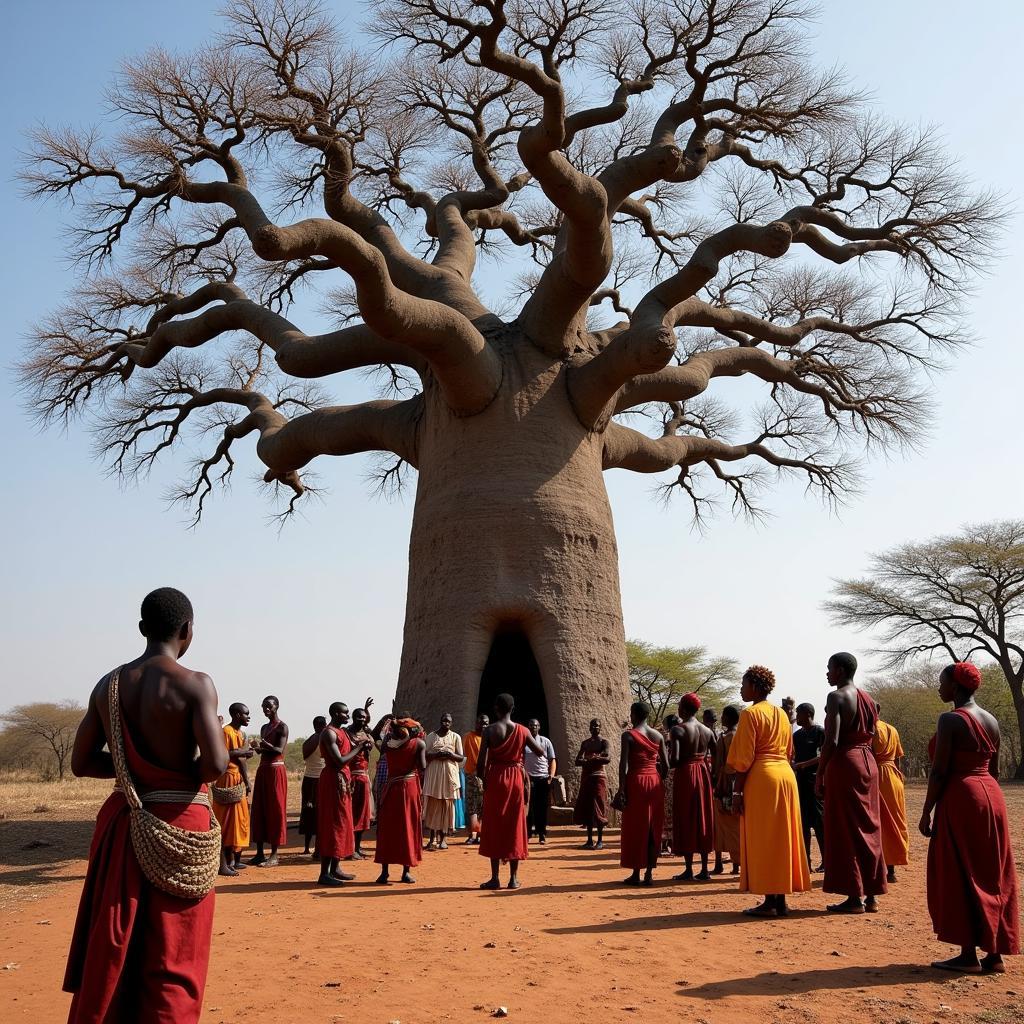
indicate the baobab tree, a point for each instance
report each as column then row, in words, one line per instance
column 684, row 165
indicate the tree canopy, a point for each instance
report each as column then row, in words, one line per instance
column 659, row 676
column 40, row 737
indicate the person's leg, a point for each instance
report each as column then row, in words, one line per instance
column 993, row 964
column 851, row 905
column 327, row 876
column 704, row 875
column 225, row 867
column 890, row 873
column 544, row 797
column 513, row 875
column 600, row 838
column 652, row 857
column 494, row 882
column 271, row 861
column 382, row 878
column 687, row 874
column 442, row 839
column 338, row 873
column 589, row 844
column 966, row 963
column 357, row 854
column 406, row 876
column 260, row 857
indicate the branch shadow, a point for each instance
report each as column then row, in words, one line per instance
column 776, row 983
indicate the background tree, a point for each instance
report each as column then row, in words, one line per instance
column 659, row 676
column 959, row 596
column 40, row 736
column 685, row 164
column 910, row 701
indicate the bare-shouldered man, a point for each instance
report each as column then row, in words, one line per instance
column 693, row 798
column 173, row 742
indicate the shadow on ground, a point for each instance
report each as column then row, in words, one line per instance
column 37, row 848
column 832, row 978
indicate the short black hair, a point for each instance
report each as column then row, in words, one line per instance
column 319, row 722
column 505, row 703
column 847, row 662
column 640, row 710
column 730, row 715
column 236, row 709
column 806, row 708
column 671, row 721
column 164, row 612
column 336, row 707
column 270, row 696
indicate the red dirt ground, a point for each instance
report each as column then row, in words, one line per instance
column 572, row 945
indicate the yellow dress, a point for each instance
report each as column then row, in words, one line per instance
column 233, row 818
column 772, row 856
column 895, row 834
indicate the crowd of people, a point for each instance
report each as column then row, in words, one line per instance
column 753, row 789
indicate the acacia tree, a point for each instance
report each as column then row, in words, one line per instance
column 682, row 163
column 44, row 731
column 659, row 676
column 955, row 596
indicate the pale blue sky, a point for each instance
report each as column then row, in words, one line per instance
column 315, row 613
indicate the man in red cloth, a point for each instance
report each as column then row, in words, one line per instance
column 643, row 765
column 335, row 837
column 499, row 766
column 972, row 883
column 137, row 953
column 270, row 793
column 693, row 795
column 592, row 801
column 362, row 798
column 400, row 804
column 848, row 777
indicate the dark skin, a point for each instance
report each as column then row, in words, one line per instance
column 359, row 733
column 774, row 904
column 494, row 735
column 951, row 735
column 840, row 717
column 805, row 721
column 687, row 740
column 438, row 836
column 653, row 843
column 402, row 733
column 898, row 761
column 309, row 745
column 270, row 746
column 331, row 874
column 231, row 860
column 723, row 778
column 594, row 750
column 482, row 721
column 169, row 710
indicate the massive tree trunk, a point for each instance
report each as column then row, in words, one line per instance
column 513, row 545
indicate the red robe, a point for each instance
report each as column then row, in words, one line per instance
column 400, row 808
column 269, row 822
column 138, row 954
column 854, row 862
column 592, row 801
column 362, row 804
column 334, row 833
column 972, row 884
column 644, row 816
column 503, row 825
column 693, row 808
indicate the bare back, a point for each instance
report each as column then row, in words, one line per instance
column 170, row 713
column 689, row 740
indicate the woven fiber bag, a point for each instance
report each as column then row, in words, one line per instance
column 229, row 794
column 176, row 860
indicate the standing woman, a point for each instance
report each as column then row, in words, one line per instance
column 888, row 751
column 972, row 885
column 400, row 804
column 773, row 860
column 643, row 764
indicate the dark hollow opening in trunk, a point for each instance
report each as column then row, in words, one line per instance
column 512, row 668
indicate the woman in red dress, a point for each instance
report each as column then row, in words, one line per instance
column 400, row 805
column 643, row 764
column 972, row 884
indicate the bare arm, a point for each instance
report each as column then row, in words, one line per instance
column 832, row 726
column 422, row 748
column 483, row 756
column 267, row 747
column 207, row 731
column 88, row 758
column 580, row 757
column 309, row 745
column 939, row 774
column 624, row 762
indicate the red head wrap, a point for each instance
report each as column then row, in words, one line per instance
column 966, row 675
column 690, row 703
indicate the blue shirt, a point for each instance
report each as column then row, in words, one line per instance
column 537, row 765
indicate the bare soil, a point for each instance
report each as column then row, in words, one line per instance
column 572, row 945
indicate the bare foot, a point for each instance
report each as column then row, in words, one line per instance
column 344, row 876
column 703, row 877
column 329, row 882
column 443, row 845
column 257, row 861
column 588, row 845
column 407, row 879
column 761, row 910
column 239, row 866
column 383, row 879
column 228, row 872
column 891, row 875
column 849, row 906
column 491, row 883
column 993, row 964
column 871, row 905
column 632, row 880
column 686, row 876
column 599, row 846
column 648, row 881
column 514, row 883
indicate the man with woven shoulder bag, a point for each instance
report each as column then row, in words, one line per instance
column 141, row 944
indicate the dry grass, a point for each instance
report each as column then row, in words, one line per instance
column 22, row 794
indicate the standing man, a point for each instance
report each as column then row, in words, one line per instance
column 808, row 740
column 709, row 718
column 693, row 810
column 888, row 753
column 152, row 965
column 334, row 834
column 643, row 763
column 441, row 786
column 314, row 765
column 789, row 706
column 362, row 796
column 500, row 768
column 270, row 794
column 848, row 777
column 592, row 801
column 231, row 791
column 541, row 768
column 474, row 795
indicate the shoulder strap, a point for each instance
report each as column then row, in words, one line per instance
column 124, row 779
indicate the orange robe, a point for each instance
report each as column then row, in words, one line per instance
column 773, row 860
column 895, row 834
column 233, row 818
